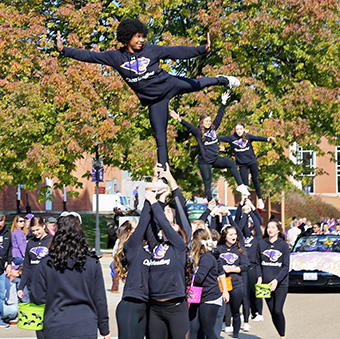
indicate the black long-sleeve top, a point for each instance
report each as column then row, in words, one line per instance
column 206, row 277
column 138, row 257
column 140, row 69
column 36, row 249
column 209, row 146
column 5, row 248
column 75, row 301
column 182, row 213
column 272, row 261
column 167, row 265
column 231, row 256
column 251, row 241
column 243, row 151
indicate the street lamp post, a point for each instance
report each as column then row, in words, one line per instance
column 97, row 166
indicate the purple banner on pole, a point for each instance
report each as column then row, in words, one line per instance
column 100, row 174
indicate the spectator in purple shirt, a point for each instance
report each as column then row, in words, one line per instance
column 18, row 234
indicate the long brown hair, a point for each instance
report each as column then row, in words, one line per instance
column 279, row 227
column 197, row 248
column 124, row 233
column 244, row 135
column 187, row 268
column 15, row 225
column 200, row 124
column 224, row 233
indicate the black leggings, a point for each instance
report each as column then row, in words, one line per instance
column 256, row 304
column 159, row 111
column 131, row 315
column 236, row 296
column 220, row 162
column 203, row 316
column 254, row 171
column 245, row 301
column 169, row 319
column 275, row 304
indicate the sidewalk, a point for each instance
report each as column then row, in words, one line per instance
column 112, row 299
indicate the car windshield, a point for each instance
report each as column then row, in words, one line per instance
column 318, row 243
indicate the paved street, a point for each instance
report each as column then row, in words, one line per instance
column 308, row 315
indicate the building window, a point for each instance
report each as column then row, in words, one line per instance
column 338, row 167
column 306, row 158
column 111, row 187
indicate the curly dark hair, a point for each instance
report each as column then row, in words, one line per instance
column 129, row 27
column 69, row 241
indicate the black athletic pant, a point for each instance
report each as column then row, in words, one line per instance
column 169, row 319
column 203, row 316
column 254, row 171
column 236, row 296
column 220, row 162
column 227, row 315
column 219, row 320
column 159, row 111
column 245, row 301
column 256, row 304
column 275, row 304
column 131, row 315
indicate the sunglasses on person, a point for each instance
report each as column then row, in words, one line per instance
column 22, row 220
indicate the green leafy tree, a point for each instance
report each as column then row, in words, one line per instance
column 53, row 110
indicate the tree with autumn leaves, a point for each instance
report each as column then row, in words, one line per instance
column 286, row 54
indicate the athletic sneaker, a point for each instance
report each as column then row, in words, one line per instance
column 228, row 329
column 260, row 204
column 228, row 80
column 246, row 327
column 3, row 324
column 243, row 189
column 258, row 317
column 13, row 321
column 160, row 185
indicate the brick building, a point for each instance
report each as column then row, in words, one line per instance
column 326, row 185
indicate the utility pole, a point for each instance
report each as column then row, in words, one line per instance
column 97, row 167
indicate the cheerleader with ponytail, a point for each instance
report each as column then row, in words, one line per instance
column 130, row 263
column 234, row 261
column 207, row 140
column 207, row 271
column 241, row 144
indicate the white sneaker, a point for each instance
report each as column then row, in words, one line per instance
column 260, row 204
column 243, row 189
column 229, row 80
column 160, row 185
column 228, row 329
column 258, row 317
column 246, row 327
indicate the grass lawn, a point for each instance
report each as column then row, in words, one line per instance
column 89, row 227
